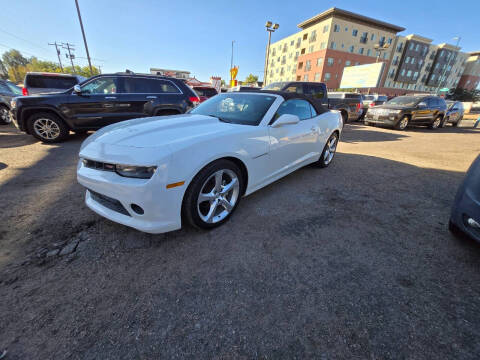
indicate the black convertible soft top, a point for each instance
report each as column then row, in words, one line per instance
column 318, row 106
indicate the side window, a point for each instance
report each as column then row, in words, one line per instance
column 429, row 102
column 298, row 107
column 149, row 86
column 295, row 89
column 314, row 90
column 104, row 85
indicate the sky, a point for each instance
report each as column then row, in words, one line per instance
column 197, row 35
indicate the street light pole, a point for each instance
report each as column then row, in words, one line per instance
column 448, row 64
column 270, row 29
column 84, row 38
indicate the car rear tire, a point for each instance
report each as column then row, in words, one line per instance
column 402, row 123
column 47, row 127
column 329, row 151
column 213, row 195
column 5, row 116
column 436, row 123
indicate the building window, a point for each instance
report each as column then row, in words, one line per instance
column 433, row 77
column 326, row 77
column 330, row 61
column 385, row 54
column 364, row 38
column 412, row 45
column 347, row 63
column 305, row 36
column 308, row 65
column 351, row 48
column 413, row 60
column 302, row 51
column 346, row 28
column 407, row 60
column 369, row 52
column 360, row 51
column 323, row 45
column 310, row 49
column 300, row 65
column 409, row 73
column 313, row 36
column 319, row 61
column 382, row 41
column 403, row 72
column 354, row 32
column 325, row 28
column 415, row 75
column 417, row 47
column 336, row 28
column 305, row 77
column 333, row 45
column 372, row 37
column 317, row 77
column 390, row 40
column 292, row 42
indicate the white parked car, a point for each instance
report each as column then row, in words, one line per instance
column 153, row 173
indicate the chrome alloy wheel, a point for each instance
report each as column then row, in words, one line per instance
column 436, row 123
column 330, row 150
column 403, row 123
column 46, row 128
column 5, row 116
column 218, row 196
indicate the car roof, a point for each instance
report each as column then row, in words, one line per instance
column 49, row 74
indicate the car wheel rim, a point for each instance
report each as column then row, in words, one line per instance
column 403, row 123
column 218, row 196
column 330, row 150
column 436, row 123
column 46, row 128
column 5, row 116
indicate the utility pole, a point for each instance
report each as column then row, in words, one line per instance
column 85, row 39
column 58, row 54
column 270, row 29
column 70, row 55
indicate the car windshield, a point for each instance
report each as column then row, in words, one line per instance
column 450, row 104
column 276, row 86
column 404, row 101
column 236, row 108
column 368, row 97
column 17, row 90
column 208, row 92
column 50, row 81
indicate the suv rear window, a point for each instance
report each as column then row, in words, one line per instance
column 50, row 81
column 353, row 96
column 208, row 92
column 149, row 86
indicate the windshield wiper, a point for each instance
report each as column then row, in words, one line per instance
column 219, row 118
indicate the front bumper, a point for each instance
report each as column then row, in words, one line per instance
column 467, row 208
column 14, row 117
column 161, row 206
column 388, row 119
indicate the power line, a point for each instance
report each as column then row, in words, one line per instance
column 28, row 41
column 24, row 52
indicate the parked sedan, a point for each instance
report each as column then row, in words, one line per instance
column 454, row 113
column 8, row 91
column 153, row 174
column 465, row 216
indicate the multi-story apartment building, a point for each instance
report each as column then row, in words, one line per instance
column 471, row 76
column 334, row 39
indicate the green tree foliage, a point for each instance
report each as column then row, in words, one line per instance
column 465, row 95
column 14, row 67
column 251, row 79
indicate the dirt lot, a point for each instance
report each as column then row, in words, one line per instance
column 353, row 261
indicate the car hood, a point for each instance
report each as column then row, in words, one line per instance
column 160, row 131
column 392, row 107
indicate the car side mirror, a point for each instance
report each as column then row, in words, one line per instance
column 422, row 105
column 77, row 89
column 286, row 119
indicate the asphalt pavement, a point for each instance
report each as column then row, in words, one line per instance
column 352, row 261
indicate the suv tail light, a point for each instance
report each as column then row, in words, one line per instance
column 24, row 91
column 195, row 100
column 359, row 105
column 372, row 104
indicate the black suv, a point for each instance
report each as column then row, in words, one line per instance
column 8, row 90
column 402, row 111
column 100, row 101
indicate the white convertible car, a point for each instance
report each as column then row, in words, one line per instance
column 153, row 173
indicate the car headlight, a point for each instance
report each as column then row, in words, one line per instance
column 395, row 111
column 140, row 172
column 13, row 104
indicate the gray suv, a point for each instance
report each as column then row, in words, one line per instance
column 46, row 83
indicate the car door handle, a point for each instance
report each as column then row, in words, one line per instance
column 110, row 97
column 151, row 97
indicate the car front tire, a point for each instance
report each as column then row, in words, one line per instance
column 4, row 116
column 213, row 195
column 436, row 123
column 329, row 151
column 47, row 127
column 402, row 123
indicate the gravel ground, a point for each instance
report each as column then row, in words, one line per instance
column 353, row 261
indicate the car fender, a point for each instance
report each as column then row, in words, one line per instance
column 32, row 109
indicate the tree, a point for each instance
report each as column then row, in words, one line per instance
column 13, row 60
column 251, row 79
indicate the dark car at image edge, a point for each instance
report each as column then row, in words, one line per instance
column 100, row 101
column 404, row 111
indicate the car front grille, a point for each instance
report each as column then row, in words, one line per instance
column 98, row 165
column 108, row 202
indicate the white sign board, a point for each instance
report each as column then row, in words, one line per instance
column 361, row 76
